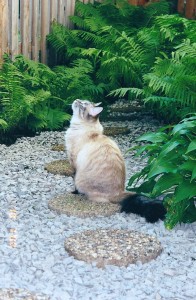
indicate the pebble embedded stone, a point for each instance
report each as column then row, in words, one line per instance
column 78, row 205
column 113, row 247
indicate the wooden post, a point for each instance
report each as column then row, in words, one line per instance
column 14, row 49
column 45, row 28
column 141, row 2
column 53, row 10
column 69, row 11
column 190, row 11
column 181, row 6
column 3, row 27
column 25, row 23
column 133, row 2
column 62, row 13
column 35, row 30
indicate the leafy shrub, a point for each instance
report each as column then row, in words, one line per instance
column 172, row 83
column 111, row 36
column 170, row 88
column 76, row 82
column 26, row 97
column 170, row 170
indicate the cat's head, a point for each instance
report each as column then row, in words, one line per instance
column 86, row 110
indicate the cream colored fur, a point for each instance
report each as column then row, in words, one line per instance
column 98, row 162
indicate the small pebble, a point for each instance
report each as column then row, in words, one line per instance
column 32, row 254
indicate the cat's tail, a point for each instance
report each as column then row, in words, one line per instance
column 151, row 210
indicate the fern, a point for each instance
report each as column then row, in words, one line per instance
column 174, row 82
column 76, row 81
column 12, row 95
column 3, row 124
column 27, row 99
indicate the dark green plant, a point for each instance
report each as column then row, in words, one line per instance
column 26, row 97
column 170, row 88
column 170, row 170
column 107, row 34
column 76, row 82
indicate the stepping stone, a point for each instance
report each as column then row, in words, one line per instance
column 58, row 147
column 126, row 108
column 61, row 167
column 121, row 117
column 19, row 294
column 78, row 205
column 112, row 247
column 112, row 131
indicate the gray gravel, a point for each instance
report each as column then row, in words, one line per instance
column 32, row 254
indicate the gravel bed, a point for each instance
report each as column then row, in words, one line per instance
column 32, row 254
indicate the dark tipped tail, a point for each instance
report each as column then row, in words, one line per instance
column 151, row 210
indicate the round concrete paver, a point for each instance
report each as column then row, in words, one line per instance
column 112, row 131
column 61, row 167
column 78, row 205
column 112, row 247
column 58, row 147
column 20, row 294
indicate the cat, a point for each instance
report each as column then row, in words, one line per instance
column 99, row 165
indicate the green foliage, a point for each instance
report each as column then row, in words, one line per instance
column 76, row 82
column 26, row 97
column 127, row 46
column 170, row 89
column 113, row 37
column 170, row 170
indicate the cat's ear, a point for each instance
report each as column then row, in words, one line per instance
column 97, row 104
column 94, row 111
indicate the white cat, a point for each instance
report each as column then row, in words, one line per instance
column 99, row 165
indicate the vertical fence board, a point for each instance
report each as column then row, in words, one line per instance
column 181, row 6
column 190, row 9
column 53, row 10
column 133, row 2
column 14, row 34
column 25, row 23
column 69, row 11
column 45, row 28
column 3, row 27
column 62, row 11
column 35, row 30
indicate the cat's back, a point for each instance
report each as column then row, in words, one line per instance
column 99, row 149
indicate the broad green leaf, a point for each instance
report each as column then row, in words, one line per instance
column 179, row 128
column 193, row 174
column 162, row 167
column 134, row 177
column 137, row 176
column 185, row 190
column 169, row 146
column 152, row 137
column 188, row 165
column 145, row 188
column 165, row 182
column 191, row 147
column 150, row 148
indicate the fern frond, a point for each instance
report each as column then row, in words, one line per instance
column 186, row 48
column 121, row 92
column 3, row 124
column 171, row 26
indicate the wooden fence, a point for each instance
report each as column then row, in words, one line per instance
column 187, row 8
column 24, row 25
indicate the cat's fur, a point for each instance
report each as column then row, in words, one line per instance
column 99, row 165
